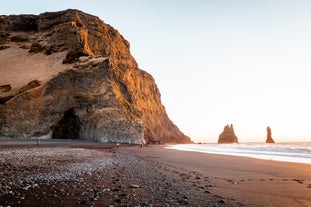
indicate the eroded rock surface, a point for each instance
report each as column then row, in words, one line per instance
column 228, row 136
column 69, row 70
column 269, row 136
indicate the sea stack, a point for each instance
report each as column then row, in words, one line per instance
column 269, row 136
column 68, row 74
column 228, row 136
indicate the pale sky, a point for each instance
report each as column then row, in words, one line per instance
column 240, row 62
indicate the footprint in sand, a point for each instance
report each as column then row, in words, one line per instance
column 298, row 181
column 232, row 181
column 184, row 176
column 197, row 177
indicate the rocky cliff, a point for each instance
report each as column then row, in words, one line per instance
column 228, row 136
column 69, row 75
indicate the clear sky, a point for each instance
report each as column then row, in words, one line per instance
column 216, row 62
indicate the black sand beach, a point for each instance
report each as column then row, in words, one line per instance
column 93, row 174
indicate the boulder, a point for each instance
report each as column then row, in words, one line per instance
column 227, row 136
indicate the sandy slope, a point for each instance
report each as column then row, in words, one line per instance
column 19, row 67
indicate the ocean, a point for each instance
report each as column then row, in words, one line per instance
column 299, row 152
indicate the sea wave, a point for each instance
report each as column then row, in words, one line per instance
column 288, row 152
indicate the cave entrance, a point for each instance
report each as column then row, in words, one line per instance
column 68, row 127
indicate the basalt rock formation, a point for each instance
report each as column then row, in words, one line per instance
column 269, row 136
column 69, row 75
column 227, row 136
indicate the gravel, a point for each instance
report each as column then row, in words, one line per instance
column 67, row 175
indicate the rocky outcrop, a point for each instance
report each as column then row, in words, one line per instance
column 70, row 75
column 228, row 136
column 269, row 136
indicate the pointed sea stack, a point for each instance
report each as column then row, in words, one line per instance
column 68, row 74
column 228, row 136
column 269, row 136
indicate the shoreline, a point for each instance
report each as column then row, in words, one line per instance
column 253, row 182
column 284, row 152
column 97, row 174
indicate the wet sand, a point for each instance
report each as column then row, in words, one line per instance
column 252, row 182
column 93, row 174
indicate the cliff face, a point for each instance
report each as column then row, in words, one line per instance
column 228, row 136
column 69, row 75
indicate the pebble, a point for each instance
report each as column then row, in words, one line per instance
column 75, row 171
column 134, row 186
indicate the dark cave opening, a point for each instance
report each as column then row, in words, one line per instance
column 68, row 127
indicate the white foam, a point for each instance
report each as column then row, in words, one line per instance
column 288, row 152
